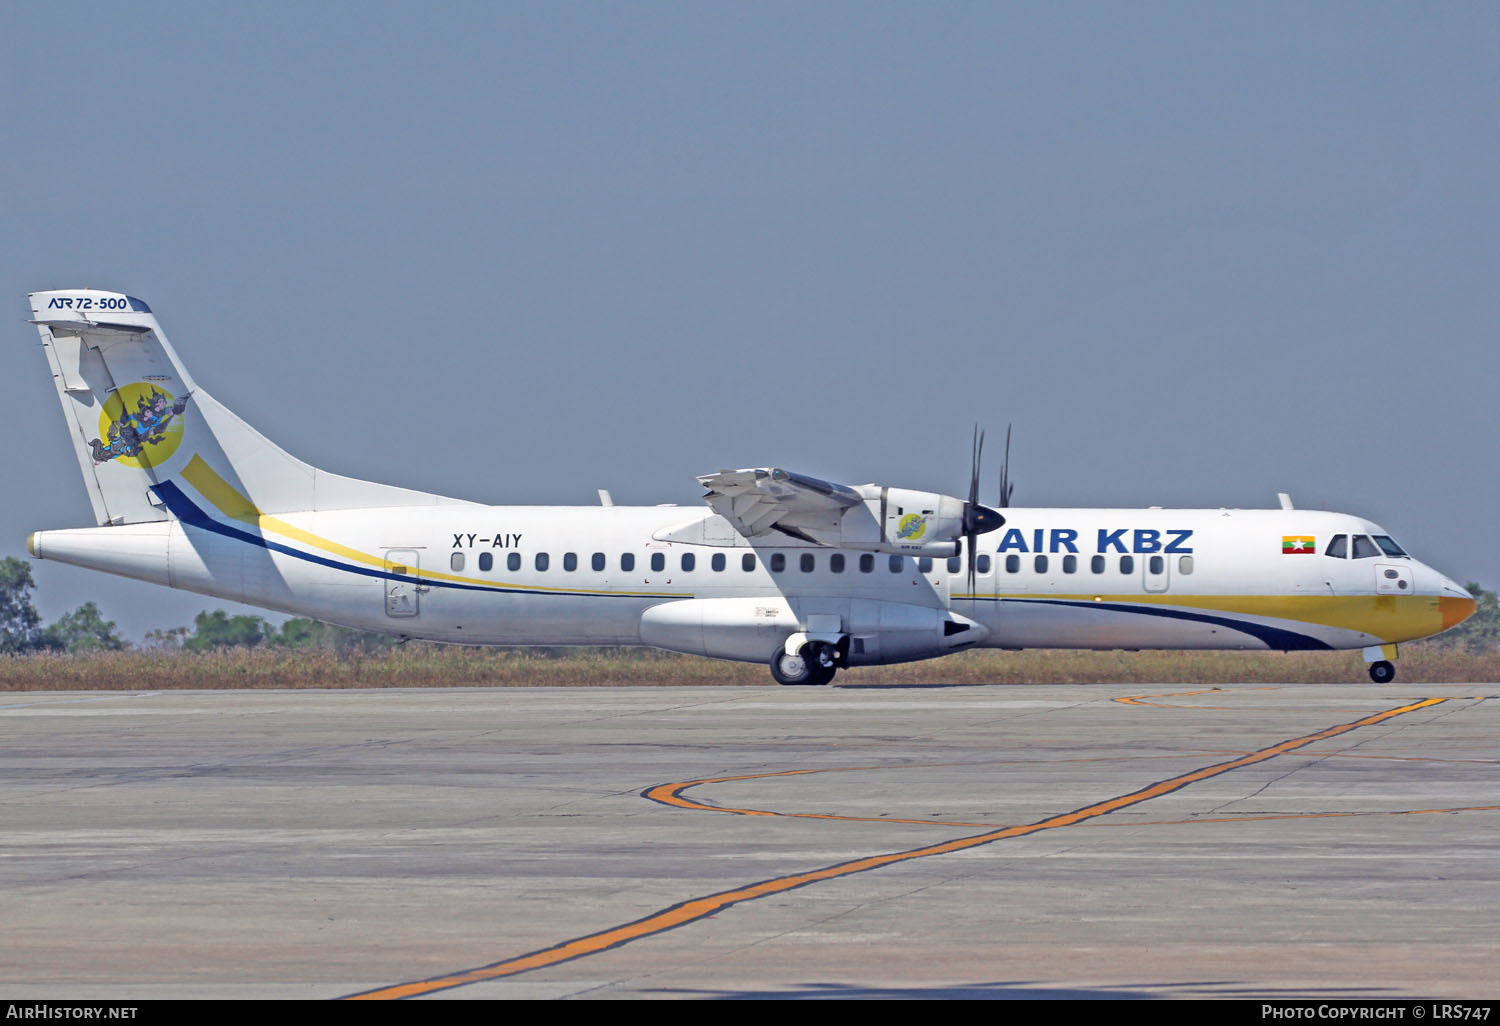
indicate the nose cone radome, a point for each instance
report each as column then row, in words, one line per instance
column 1455, row 603
column 34, row 544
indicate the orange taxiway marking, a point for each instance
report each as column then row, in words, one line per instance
column 707, row 905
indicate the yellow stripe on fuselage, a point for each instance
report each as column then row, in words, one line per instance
column 229, row 501
column 1388, row 617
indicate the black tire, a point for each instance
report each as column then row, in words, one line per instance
column 793, row 670
column 1382, row 672
column 823, row 674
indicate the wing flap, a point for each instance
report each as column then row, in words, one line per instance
column 759, row 500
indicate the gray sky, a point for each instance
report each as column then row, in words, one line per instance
column 1197, row 253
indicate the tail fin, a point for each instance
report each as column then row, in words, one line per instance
column 140, row 424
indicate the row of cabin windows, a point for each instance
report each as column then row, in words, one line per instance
column 688, row 561
column 807, row 562
column 543, row 561
column 1100, row 564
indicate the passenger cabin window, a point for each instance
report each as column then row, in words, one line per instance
column 658, row 562
column 627, row 561
column 1070, row 564
column 924, row 564
column 456, row 561
column 955, row 564
column 896, row 564
column 541, row 561
column 1156, row 565
column 1339, row 547
column 486, row 561
column 778, row 562
column 513, row 562
column 866, row 563
column 1127, row 564
column 689, row 561
column 570, row 561
column 982, row 564
column 747, row 563
column 807, row 562
column 597, row 561
column 836, row 562
column 1040, row 564
column 1364, row 548
column 1185, row 564
column 1097, row 564
column 717, row 562
column 1012, row 564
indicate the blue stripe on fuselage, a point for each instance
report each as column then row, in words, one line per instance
column 187, row 511
column 1273, row 637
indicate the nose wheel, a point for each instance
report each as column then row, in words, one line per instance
column 812, row 665
column 1382, row 672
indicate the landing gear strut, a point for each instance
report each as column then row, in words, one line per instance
column 812, row 665
column 1382, row 672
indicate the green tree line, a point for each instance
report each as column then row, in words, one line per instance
column 86, row 630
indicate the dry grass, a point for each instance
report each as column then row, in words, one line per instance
column 421, row 665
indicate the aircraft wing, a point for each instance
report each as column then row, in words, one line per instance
column 766, row 499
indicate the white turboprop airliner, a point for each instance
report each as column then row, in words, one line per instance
column 804, row 574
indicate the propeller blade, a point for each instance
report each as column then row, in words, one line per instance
column 971, row 510
column 1006, row 488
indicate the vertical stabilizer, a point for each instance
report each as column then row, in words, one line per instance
column 138, row 421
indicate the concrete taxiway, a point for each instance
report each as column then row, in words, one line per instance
column 1096, row 840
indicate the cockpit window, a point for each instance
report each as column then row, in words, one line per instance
column 1388, row 545
column 1364, row 548
column 1339, row 547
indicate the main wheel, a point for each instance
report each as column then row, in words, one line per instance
column 823, row 674
column 1382, row 672
column 793, row 669
column 803, row 668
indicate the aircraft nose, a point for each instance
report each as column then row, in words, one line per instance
column 1455, row 602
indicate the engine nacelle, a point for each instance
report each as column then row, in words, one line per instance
column 917, row 523
column 752, row 629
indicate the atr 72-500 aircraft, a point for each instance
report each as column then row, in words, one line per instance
column 804, row 574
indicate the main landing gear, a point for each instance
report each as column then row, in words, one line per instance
column 815, row 663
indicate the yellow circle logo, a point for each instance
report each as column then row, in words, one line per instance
column 911, row 527
column 140, row 426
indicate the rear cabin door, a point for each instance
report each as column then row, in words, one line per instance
column 402, row 593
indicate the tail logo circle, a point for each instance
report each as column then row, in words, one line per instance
column 140, row 426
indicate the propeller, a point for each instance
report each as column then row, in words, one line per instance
column 1006, row 486
column 978, row 519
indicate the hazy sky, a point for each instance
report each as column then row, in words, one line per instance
column 1198, row 253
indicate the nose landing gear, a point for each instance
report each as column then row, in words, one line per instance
column 1382, row 670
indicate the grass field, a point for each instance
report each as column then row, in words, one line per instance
column 423, row 665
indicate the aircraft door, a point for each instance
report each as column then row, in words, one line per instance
column 1156, row 572
column 658, row 563
column 402, row 592
column 936, row 572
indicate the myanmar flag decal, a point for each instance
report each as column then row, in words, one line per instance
column 1295, row 544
